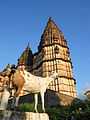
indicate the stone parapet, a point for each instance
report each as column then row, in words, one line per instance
column 14, row 115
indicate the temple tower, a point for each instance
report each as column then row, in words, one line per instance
column 53, row 55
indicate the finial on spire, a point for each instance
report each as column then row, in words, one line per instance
column 50, row 18
column 28, row 45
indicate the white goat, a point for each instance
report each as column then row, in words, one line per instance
column 35, row 84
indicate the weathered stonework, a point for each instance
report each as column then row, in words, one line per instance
column 13, row 115
column 53, row 55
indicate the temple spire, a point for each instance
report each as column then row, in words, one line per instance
column 52, row 34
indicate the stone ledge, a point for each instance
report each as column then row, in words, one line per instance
column 15, row 115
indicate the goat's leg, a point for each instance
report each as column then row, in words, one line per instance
column 17, row 96
column 42, row 99
column 18, row 91
column 36, row 101
column 17, row 101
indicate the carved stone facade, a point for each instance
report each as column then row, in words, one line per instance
column 52, row 55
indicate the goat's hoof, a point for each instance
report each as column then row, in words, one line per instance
column 43, row 111
column 36, row 111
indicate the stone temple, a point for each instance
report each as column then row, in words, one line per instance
column 53, row 55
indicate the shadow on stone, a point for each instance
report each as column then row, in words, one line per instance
column 12, row 115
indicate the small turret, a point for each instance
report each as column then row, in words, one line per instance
column 26, row 59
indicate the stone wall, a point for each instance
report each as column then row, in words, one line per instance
column 14, row 115
column 52, row 98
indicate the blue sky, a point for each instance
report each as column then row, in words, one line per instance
column 23, row 21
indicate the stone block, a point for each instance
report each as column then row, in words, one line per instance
column 15, row 115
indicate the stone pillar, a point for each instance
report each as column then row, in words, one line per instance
column 4, row 99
